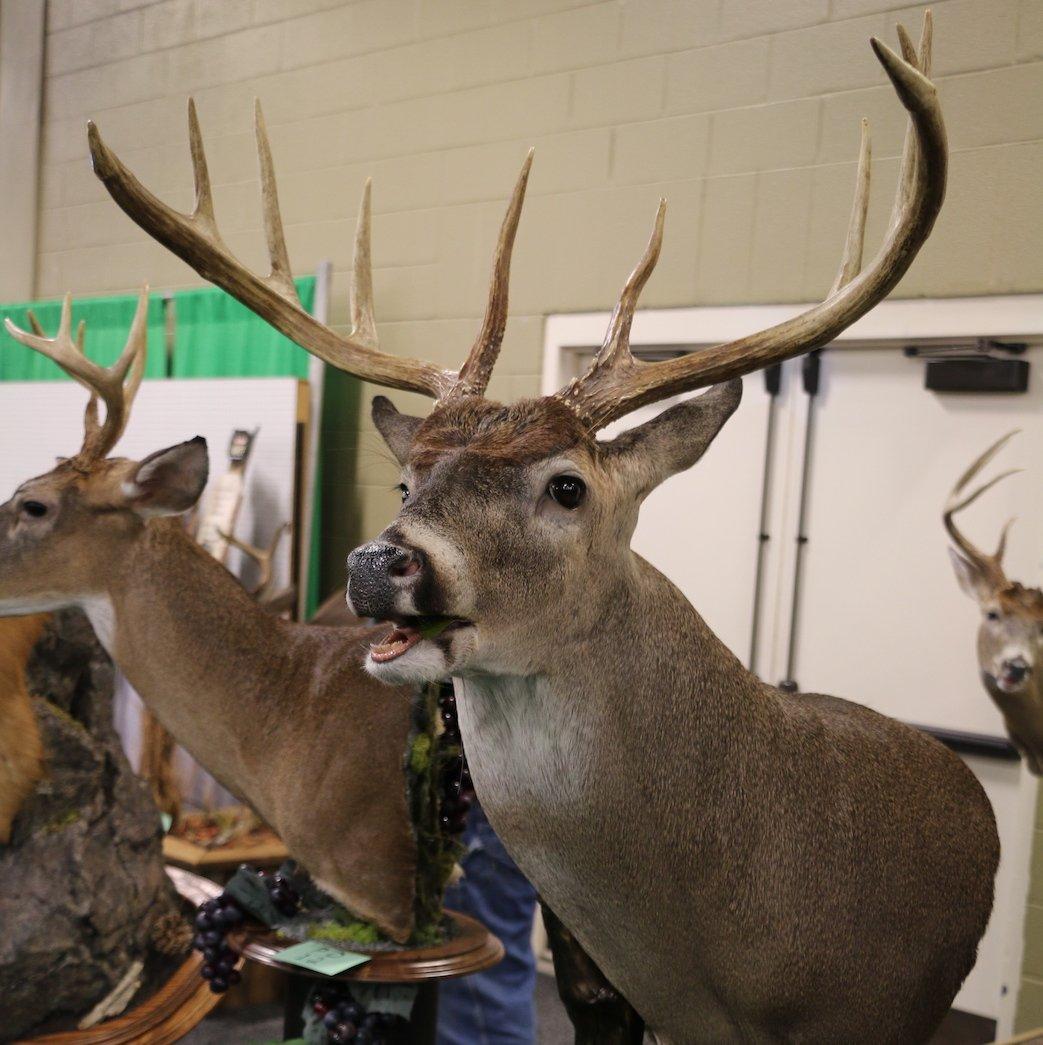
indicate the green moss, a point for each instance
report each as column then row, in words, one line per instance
column 436, row 852
column 62, row 821
column 349, row 932
column 420, row 753
column 64, row 716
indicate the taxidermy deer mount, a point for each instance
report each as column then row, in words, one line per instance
column 1010, row 636
column 282, row 714
column 741, row 863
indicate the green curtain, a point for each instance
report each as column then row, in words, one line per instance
column 218, row 337
column 108, row 323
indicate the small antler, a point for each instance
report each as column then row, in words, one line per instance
column 990, row 565
column 617, row 383
column 262, row 556
column 116, row 386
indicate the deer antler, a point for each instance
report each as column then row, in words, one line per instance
column 262, row 556
column 617, row 383
column 116, row 386
column 196, row 240
column 990, row 565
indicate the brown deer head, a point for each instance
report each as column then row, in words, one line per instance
column 1010, row 636
column 62, row 532
column 510, row 511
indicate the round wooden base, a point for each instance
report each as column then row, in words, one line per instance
column 471, row 949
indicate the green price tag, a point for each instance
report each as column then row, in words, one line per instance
column 318, row 956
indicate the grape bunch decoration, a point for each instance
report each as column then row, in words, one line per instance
column 217, row 916
column 455, row 784
column 213, row 920
column 345, row 1020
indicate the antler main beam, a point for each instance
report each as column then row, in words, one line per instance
column 196, row 240
column 116, row 386
column 617, row 383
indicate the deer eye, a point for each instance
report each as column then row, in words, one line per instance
column 34, row 508
column 992, row 615
column 405, row 492
column 567, row 490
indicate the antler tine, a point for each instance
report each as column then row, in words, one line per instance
column 851, row 260
column 262, row 556
column 281, row 275
column 958, row 500
column 921, row 61
column 363, row 322
column 614, row 356
column 203, row 206
column 195, row 239
column 603, row 394
column 116, row 386
column 476, row 371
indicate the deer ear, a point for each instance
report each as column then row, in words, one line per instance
column 974, row 581
column 396, row 428
column 675, row 439
column 169, row 481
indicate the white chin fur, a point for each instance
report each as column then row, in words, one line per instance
column 425, row 662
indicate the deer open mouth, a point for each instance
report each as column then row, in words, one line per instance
column 406, row 634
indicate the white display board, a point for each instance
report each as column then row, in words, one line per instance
column 43, row 420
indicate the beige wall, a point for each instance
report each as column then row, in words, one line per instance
column 743, row 113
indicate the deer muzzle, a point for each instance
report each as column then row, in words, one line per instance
column 381, row 579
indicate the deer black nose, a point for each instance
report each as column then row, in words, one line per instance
column 375, row 575
column 1015, row 670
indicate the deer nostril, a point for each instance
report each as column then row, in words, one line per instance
column 406, row 565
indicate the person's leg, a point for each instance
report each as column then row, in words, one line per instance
column 495, row 1007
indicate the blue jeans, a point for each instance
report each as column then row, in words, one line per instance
column 495, row 1007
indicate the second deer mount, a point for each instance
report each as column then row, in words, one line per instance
column 983, row 366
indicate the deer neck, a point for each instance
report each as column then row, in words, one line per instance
column 608, row 705
column 197, row 649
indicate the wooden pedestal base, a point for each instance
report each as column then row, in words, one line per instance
column 472, row 949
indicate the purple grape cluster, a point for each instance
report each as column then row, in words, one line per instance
column 455, row 784
column 286, row 899
column 213, row 920
column 346, row 1020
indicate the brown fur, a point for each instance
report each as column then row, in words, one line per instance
column 21, row 750
column 283, row 715
column 742, row 864
column 1015, row 598
column 521, row 433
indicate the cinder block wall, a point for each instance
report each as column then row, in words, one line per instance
column 743, row 113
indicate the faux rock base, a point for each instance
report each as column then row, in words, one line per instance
column 84, row 885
